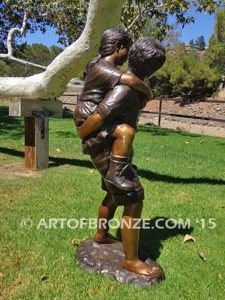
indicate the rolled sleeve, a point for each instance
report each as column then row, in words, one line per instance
column 103, row 111
column 114, row 102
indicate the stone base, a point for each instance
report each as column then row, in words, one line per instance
column 107, row 259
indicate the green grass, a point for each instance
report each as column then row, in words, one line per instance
column 183, row 176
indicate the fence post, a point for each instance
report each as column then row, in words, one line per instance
column 36, row 114
column 160, row 111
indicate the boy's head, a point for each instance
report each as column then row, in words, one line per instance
column 115, row 40
column 146, row 56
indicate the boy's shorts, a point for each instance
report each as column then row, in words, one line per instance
column 101, row 162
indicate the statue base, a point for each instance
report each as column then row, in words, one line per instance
column 107, row 259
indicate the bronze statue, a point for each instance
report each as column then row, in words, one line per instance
column 101, row 76
column 121, row 107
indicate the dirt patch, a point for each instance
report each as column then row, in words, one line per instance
column 198, row 109
column 17, row 169
column 183, row 125
column 192, row 125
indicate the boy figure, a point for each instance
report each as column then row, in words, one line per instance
column 101, row 76
column 123, row 105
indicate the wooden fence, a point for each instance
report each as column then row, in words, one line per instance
column 159, row 112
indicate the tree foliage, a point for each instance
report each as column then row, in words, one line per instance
column 172, row 37
column 200, row 43
column 184, row 73
column 192, row 43
column 216, row 56
column 220, row 25
column 68, row 17
column 216, row 50
column 36, row 53
column 137, row 13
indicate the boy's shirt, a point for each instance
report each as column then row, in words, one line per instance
column 122, row 105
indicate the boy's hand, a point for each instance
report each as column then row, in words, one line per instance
column 150, row 93
column 137, row 84
column 144, row 102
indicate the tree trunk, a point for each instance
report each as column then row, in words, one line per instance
column 102, row 14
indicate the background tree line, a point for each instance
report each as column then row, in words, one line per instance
column 186, row 72
column 194, row 71
column 68, row 17
column 36, row 53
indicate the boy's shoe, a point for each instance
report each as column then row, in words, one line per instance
column 115, row 176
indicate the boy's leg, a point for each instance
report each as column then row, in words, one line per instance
column 106, row 212
column 130, row 238
column 124, row 135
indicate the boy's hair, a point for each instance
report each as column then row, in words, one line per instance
column 113, row 38
column 146, row 56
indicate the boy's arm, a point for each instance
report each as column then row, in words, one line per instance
column 137, row 84
column 93, row 123
column 112, row 105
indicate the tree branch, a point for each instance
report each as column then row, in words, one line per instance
column 163, row 5
column 141, row 12
column 21, row 61
column 134, row 21
column 13, row 31
column 9, row 56
column 102, row 14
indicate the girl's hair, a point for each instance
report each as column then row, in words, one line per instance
column 112, row 39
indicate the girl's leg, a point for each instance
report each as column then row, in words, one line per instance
column 124, row 135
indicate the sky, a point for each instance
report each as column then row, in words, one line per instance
column 203, row 26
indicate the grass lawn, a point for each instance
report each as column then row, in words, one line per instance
column 183, row 176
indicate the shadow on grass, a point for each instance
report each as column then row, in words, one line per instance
column 67, row 134
column 153, row 232
column 221, row 144
column 152, row 176
column 53, row 161
column 9, row 124
column 14, row 127
column 58, row 161
column 67, row 114
column 154, row 130
column 158, row 230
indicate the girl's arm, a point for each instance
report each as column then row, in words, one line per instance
column 137, row 84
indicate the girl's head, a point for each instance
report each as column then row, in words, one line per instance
column 146, row 56
column 115, row 41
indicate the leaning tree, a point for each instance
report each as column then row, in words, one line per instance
column 101, row 14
